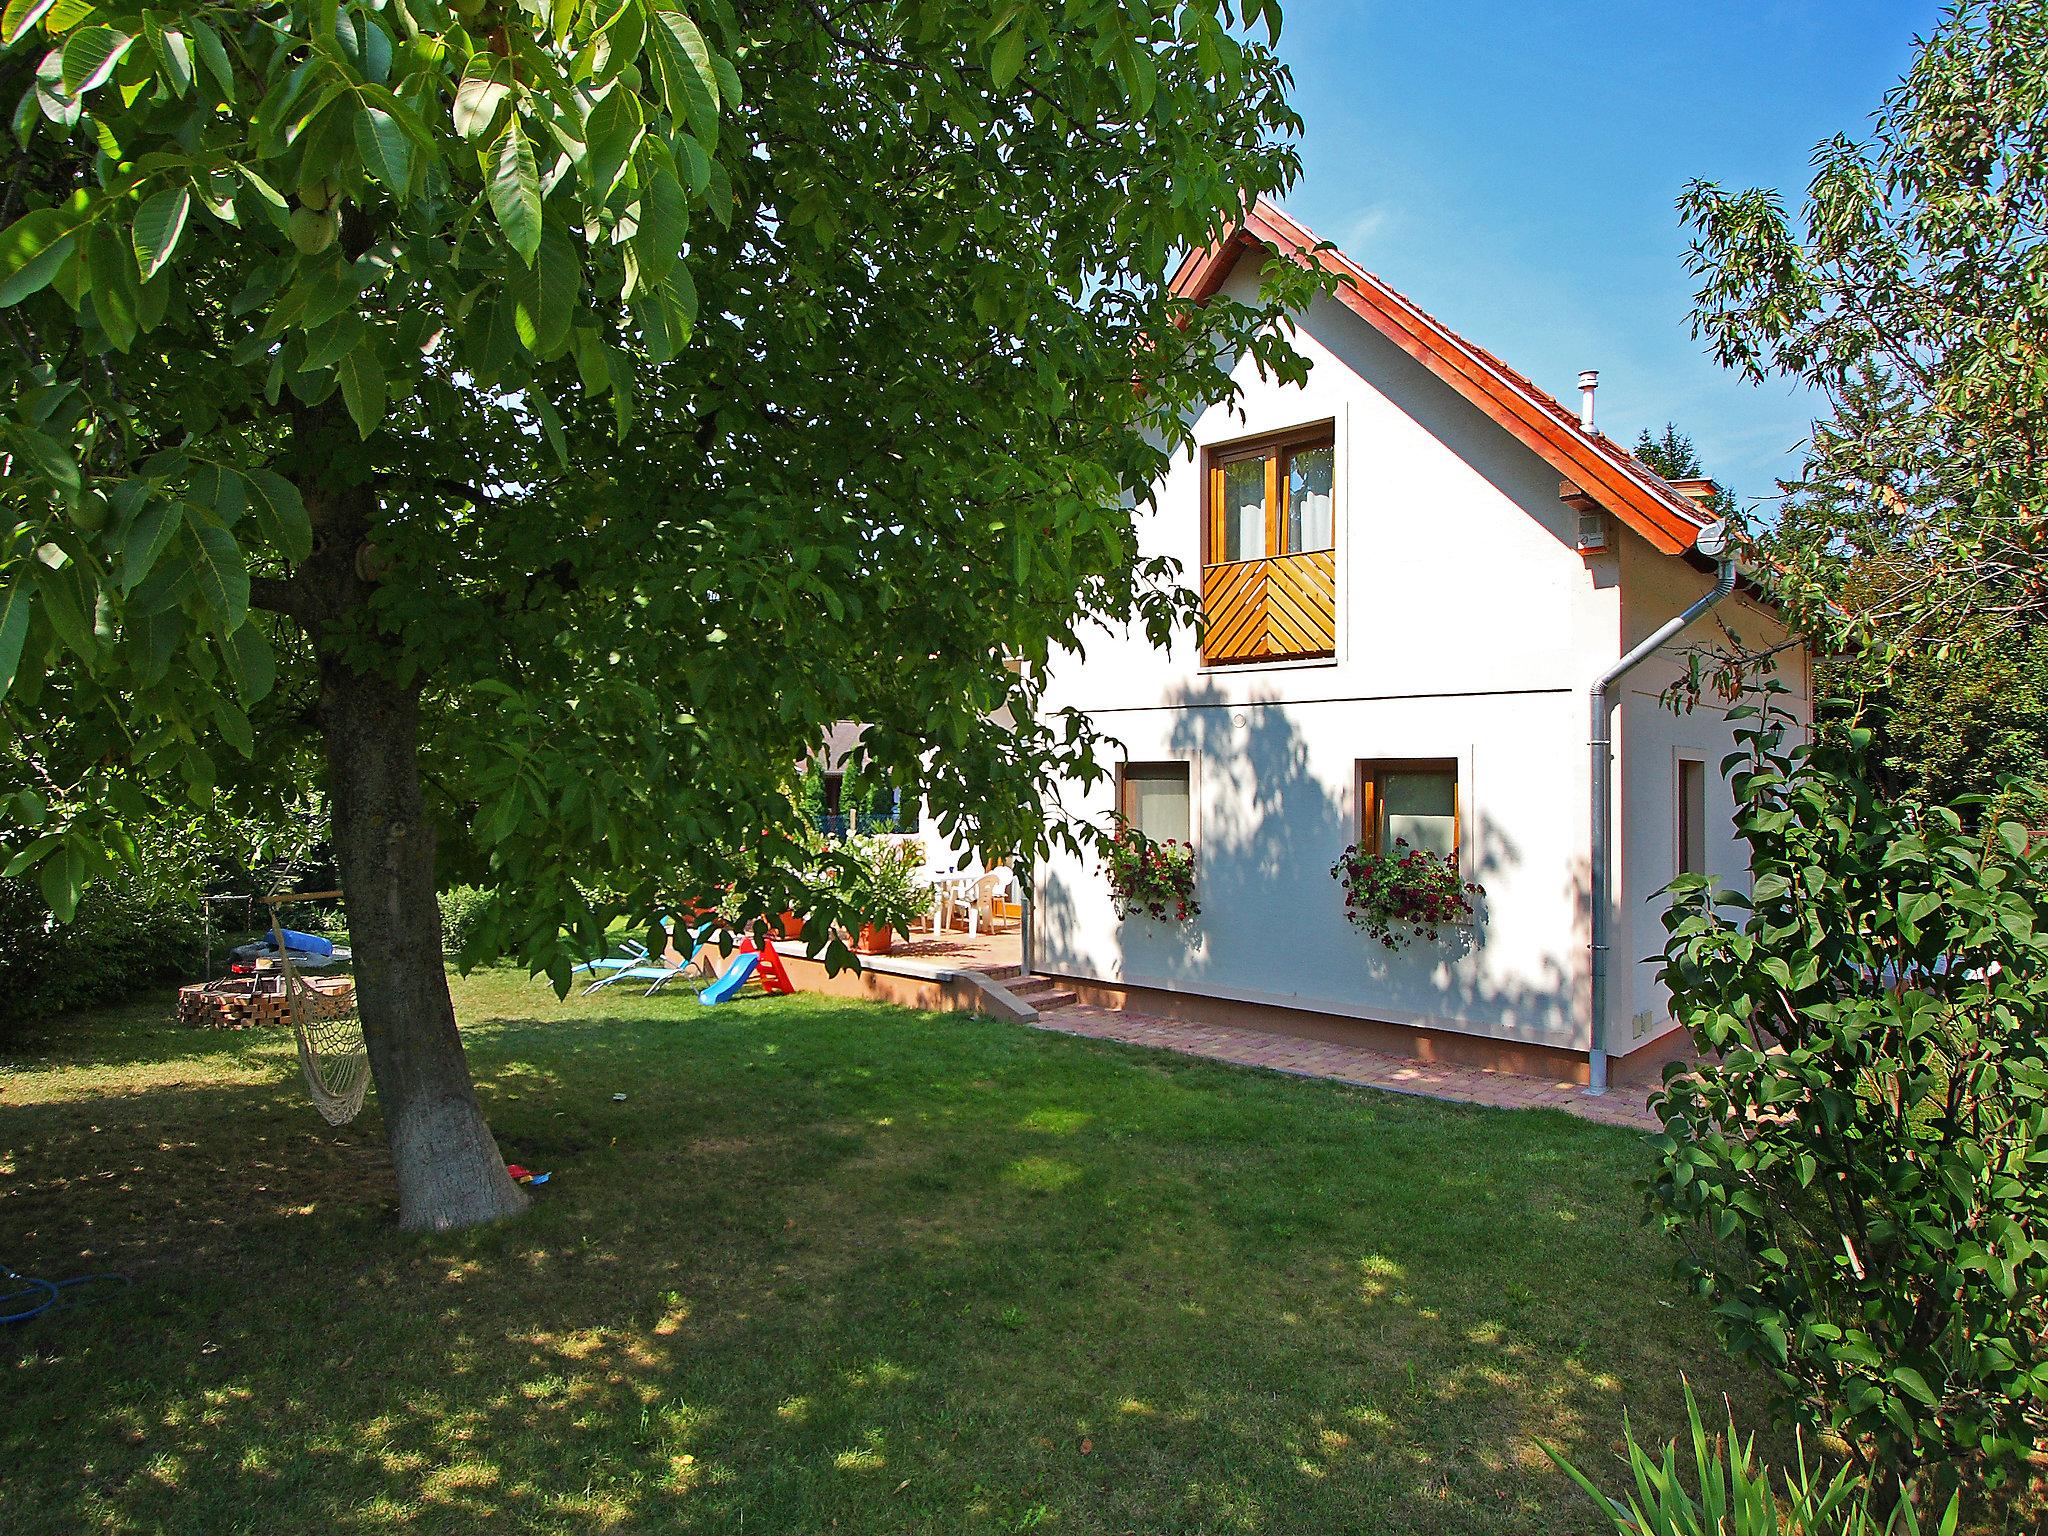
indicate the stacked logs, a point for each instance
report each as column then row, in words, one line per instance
column 259, row 1002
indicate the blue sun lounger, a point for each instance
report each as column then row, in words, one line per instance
column 654, row 971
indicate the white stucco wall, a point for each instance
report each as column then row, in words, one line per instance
column 1469, row 627
column 1650, row 739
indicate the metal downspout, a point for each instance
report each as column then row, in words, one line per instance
column 1027, row 888
column 1713, row 543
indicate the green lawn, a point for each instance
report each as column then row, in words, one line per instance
column 829, row 1266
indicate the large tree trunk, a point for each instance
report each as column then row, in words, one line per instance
column 450, row 1173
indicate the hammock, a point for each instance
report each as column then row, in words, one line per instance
column 329, row 1030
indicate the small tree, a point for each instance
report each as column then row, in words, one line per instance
column 1671, row 454
column 1858, row 1164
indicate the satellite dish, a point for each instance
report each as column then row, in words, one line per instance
column 1713, row 541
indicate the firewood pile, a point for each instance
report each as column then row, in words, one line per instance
column 259, row 1002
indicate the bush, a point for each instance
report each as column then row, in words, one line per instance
column 1735, row 1497
column 137, row 927
column 462, row 911
column 1156, row 878
column 1404, row 894
column 1860, row 1168
column 878, row 881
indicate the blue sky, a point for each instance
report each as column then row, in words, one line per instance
column 1511, row 166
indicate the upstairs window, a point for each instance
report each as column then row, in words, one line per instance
column 1409, row 800
column 1274, row 497
column 1269, row 549
column 1153, row 798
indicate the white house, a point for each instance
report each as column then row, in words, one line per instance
column 1414, row 570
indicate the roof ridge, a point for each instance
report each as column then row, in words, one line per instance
column 1643, row 499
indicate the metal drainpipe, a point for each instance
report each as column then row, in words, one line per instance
column 1025, row 887
column 1713, row 543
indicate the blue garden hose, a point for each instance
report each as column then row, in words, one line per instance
column 34, row 1296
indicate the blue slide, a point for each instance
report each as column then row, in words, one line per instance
column 731, row 979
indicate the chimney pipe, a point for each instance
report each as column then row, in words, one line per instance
column 1589, row 380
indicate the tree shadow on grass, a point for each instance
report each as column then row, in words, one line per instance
column 834, row 1263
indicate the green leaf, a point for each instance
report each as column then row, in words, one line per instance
column 158, row 224
column 32, row 249
column 173, row 53
column 223, row 578
column 689, row 84
column 1913, row 1384
column 222, row 492
column 515, row 192
column 485, row 85
column 613, row 129
column 251, row 661
column 90, row 55
column 385, row 149
column 143, row 540
column 13, row 631
column 545, row 305
column 362, row 386
column 281, row 513
column 53, row 460
column 214, row 57
column 111, row 265
column 551, row 426
column 19, row 16
column 25, row 859
column 234, row 726
column 67, row 605
column 664, row 222
column 1007, row 56
column 60, row 877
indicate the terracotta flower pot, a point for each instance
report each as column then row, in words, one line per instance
column 875, row 939
column 792, row 926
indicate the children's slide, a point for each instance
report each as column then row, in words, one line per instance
column 731, row 979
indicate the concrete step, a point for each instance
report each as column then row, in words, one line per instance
column 1041, row 993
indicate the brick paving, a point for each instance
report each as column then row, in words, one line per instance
column 998, row 954
column 1620, row 1106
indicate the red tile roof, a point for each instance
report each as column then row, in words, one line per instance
column 1615, row 478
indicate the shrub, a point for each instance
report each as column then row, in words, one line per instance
column 1735, row 1497
column 877, row 879
column 462, row 913
column 1156, row 878
column 138, row 925
column 1858, row 1167
column 1403, row 894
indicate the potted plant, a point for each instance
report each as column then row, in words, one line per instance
column 1404, row 893
column 879, row 882
column 1156, row 878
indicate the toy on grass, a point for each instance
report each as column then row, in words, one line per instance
column 751, row 962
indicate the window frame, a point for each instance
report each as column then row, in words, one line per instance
column 1276, row 448
column 1123, row 793
column 1679, row 806
column 1371, row 770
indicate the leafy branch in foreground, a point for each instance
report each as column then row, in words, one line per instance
column 1856, row 1161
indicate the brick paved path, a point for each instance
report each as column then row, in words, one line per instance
column 1351, row 1064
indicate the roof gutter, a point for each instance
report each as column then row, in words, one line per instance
column 1714, row 544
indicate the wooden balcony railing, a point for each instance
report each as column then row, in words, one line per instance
column 1282, row 608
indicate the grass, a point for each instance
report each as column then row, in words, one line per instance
column 829, row 1266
